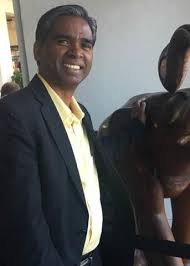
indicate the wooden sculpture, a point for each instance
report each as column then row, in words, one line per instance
column 154, row 159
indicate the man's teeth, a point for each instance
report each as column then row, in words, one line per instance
column 72, row 66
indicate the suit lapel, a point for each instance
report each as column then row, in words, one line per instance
column 87, row 124
column 58, row 133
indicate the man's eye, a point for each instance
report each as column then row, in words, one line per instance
column 87, row 45
column 63, row 42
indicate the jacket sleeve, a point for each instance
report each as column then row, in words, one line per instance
column 25, row 238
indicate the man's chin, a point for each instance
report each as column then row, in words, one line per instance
column 71, row 82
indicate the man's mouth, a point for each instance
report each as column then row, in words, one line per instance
column 73, row 67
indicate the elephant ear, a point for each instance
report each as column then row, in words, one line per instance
column 174, row 59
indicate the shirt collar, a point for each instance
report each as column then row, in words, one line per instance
column 74, row 114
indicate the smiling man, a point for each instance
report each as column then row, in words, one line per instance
column 65, row 56
column 53, row 201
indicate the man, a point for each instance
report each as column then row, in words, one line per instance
column 9, row 87
column 54, row 177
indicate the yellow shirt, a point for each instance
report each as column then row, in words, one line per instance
column 72, row 121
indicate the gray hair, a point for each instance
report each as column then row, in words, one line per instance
column 47, row 20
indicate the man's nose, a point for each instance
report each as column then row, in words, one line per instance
column 75, row 50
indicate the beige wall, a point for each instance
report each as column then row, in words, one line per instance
column 8, row 6
column 6, row 67
column 12, row 32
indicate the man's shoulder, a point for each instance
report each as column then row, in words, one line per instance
column 18, row 100
column 23, row 98
column 21, row 104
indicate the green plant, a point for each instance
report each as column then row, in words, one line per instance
column 17, row 77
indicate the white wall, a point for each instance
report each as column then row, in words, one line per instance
column 131, row 36
column 21, row 41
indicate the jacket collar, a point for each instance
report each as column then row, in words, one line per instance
column 57, row 131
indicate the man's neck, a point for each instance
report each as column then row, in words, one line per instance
column 64, row 93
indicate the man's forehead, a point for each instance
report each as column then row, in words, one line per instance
column 71, row 26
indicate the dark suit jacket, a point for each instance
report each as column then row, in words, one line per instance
column 43, row 214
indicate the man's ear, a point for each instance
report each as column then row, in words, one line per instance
column 36, row 51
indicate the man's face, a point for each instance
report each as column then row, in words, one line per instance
column 65, row 57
